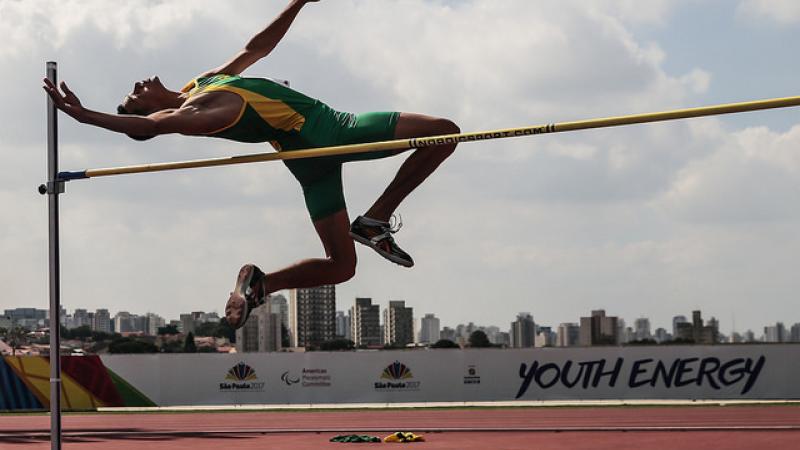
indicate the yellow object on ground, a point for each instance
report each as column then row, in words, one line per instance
column 403, row 437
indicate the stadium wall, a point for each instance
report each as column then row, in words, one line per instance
column 725, row 372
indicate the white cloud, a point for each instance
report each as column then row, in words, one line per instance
column 624, row 218
column 783, row 12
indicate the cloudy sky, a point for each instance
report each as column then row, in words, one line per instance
column 652, row 220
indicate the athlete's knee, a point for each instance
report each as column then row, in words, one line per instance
column 345, row 271
column 446, row 126
column 344, row 268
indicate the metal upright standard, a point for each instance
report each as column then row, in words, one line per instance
column 53, row 188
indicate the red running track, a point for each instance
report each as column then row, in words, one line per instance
column 729, row 427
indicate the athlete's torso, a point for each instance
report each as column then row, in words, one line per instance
column 271, row 112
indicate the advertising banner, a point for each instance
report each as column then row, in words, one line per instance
column 596, row 373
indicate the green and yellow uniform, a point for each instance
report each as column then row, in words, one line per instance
column 290, row 121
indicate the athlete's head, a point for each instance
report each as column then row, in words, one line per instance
column 147, row 97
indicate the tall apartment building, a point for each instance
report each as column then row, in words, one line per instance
column 280, row 305
column 365, row 322
column 776, row 333
column 599, row 329
column 30, row 318
column 696, row 332
column 545, row 337
column 344, row 326
column 568, row 335
column 523, row 331
column 313, row 315
column 123, row 322
column 794, row 335
column 641, row 329
column 676, row 321
column 153, row 322
column 398, row 321
column 429, row 329
column 261, row 332
column 102, row 321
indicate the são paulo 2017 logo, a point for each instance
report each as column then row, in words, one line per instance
column 397, row 377
column 241, row 378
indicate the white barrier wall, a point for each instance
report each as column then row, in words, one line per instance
column 675, row 372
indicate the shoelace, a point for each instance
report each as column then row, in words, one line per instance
column 395, row 223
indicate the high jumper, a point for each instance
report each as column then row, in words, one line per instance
column 222, row 103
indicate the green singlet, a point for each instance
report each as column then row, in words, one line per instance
column 290, row 121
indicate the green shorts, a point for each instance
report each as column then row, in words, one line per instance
column 321, row 178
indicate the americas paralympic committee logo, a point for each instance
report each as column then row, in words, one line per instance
column 399, row 378
column 242, row 378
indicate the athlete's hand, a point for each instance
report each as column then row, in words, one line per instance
column 67, row 102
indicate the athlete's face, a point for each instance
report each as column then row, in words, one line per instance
column 147, row 97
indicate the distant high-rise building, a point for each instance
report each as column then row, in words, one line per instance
column 30, row 318
column 80, row 318
column 343, row 325
column 313, row 315
column 102, row 321
column 775, row 333
column 399, row 324
column 599, row 329
column 568, row 334
column 675, row 321
column 123, row 322
column 642, row 329
column 661, row 335
column 188, row 323
column 695, row 331
column 794, row 336
column 545, row 337
column 448, row 333
column 261, row 332
column 429, row 329
column 366, row 323
column 278, row 304
column 748, row 336
column 153, row 323
column 523, row 331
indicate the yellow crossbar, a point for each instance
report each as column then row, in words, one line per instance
column 404, row 144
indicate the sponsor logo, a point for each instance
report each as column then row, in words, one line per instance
column 472, row 376
column 308, row 378
column 241, row 378
column 398, row 377
column 289, row 379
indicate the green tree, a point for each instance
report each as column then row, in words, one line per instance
column 445, row 343
column 83, row 332
column 16, row 338
column 206, row 329
column 130, row 345
column 189, row 345
column 169, row 329
column 478, row 339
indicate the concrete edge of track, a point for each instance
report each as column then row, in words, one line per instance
column 454, row 405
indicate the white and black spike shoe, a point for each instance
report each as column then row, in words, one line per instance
column 377, row 235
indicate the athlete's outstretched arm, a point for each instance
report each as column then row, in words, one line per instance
column 262, row 43
column 187, row 120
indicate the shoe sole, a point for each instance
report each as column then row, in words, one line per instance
column 242, row 283
column 399, row 261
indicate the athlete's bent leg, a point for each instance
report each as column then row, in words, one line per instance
column 418, row 166
column 338, row 266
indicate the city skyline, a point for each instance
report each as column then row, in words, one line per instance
column 776, row 331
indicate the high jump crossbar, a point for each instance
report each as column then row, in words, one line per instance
column 405, row 144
